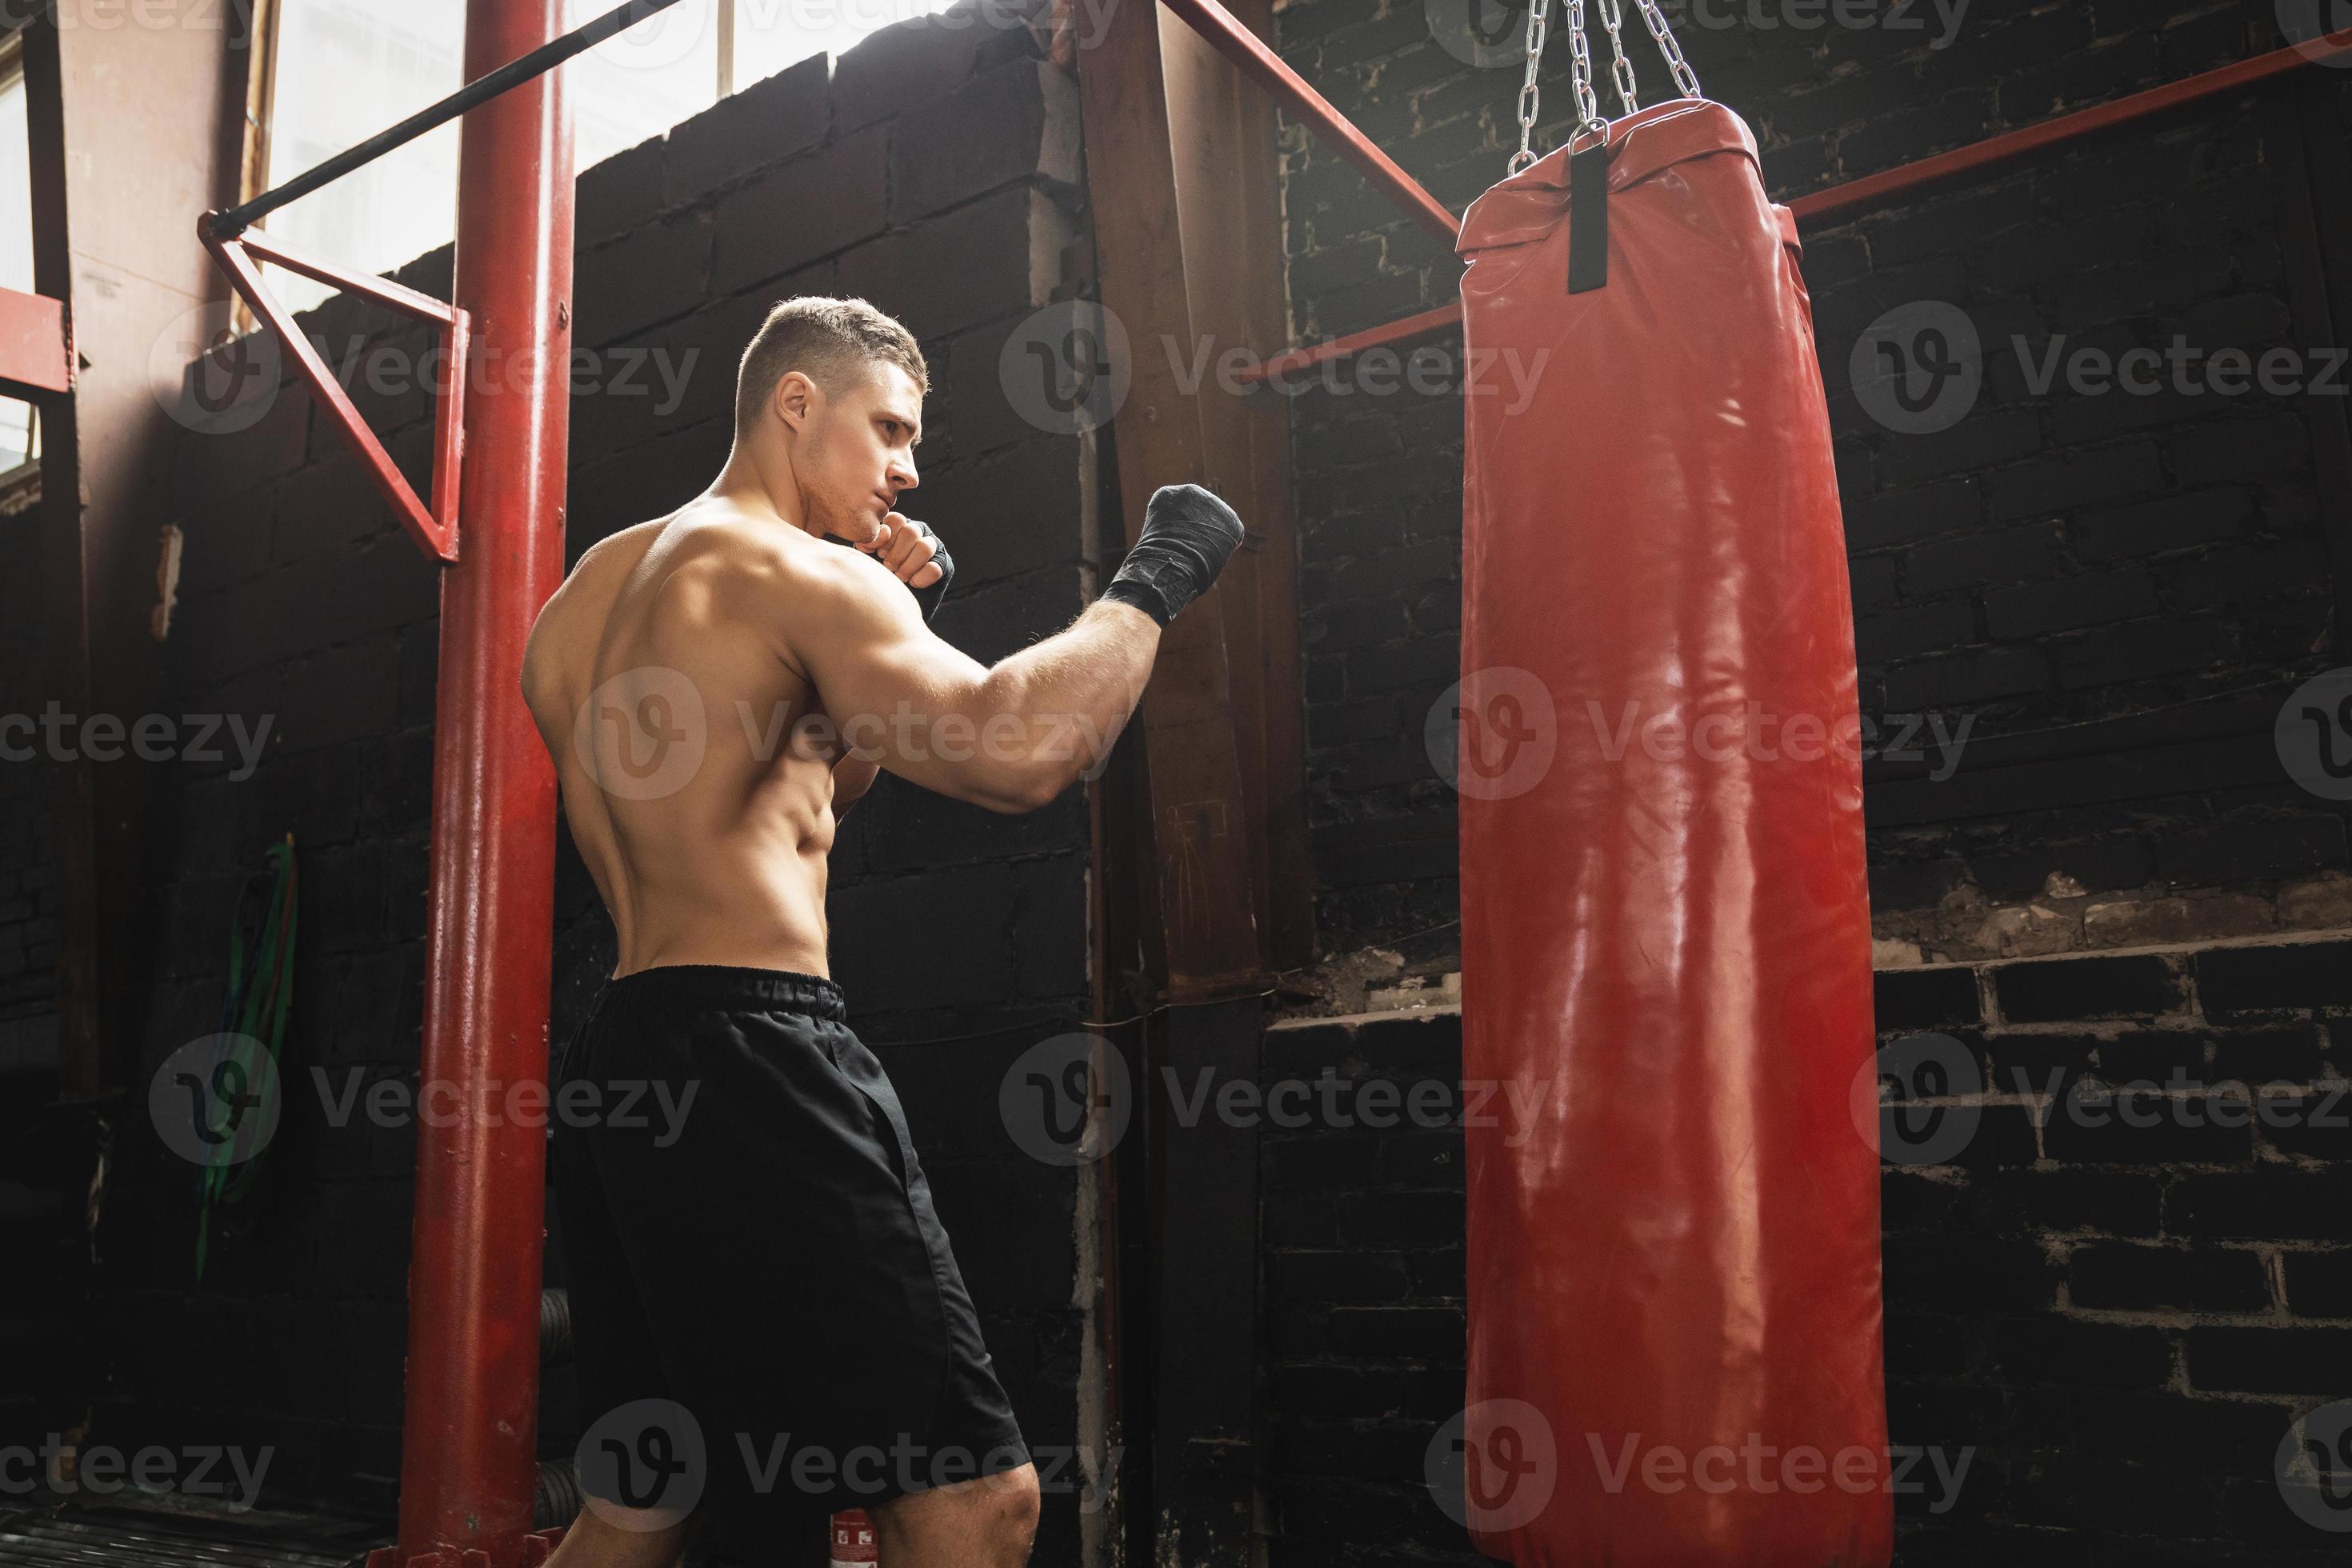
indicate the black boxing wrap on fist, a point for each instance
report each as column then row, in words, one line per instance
column 1188, row 536
column 928, row 599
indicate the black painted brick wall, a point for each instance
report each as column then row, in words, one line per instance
column 2052, row 560
column 2122, row 1320
column 301, row 599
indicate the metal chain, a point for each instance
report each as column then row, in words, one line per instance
column 1685, row 77
column 1529, row 96
column 1579, row 56
column 1622, row 69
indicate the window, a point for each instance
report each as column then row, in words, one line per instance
column 20, row 430
column 344, row 69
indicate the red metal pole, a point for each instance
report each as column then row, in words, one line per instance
column 1262, row 65
column 468, row 1461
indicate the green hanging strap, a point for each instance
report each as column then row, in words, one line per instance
column 253, row 1011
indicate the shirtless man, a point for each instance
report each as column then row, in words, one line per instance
column 766, row 1283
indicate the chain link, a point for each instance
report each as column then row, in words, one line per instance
column 1621, row 68
column 1579, row 57
column 1529, row 96
column 1685, row 77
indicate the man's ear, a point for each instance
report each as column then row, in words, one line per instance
column 795, row 399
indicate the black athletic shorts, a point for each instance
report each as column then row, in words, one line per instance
column 768, row 1323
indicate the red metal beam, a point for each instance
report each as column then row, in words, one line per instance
column 434, row 528
column 1242, row 46
column 1400, row 330
column 36, row 353
column 470, row 1435
column 1874, row 188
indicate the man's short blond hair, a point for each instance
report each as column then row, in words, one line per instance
column 830, row 342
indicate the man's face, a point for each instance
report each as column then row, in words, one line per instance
column 857, row 452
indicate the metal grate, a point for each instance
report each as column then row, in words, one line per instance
column 129, row 1538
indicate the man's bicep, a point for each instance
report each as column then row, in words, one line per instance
column 882, row 677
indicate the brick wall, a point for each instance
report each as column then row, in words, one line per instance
column 2109, row 1280
column 933, row 171
column 2113, row 593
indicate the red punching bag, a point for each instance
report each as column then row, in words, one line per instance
column 1673, row 1260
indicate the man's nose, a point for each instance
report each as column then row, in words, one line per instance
column 903, row 475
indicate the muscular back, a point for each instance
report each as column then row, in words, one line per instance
column 668, row 697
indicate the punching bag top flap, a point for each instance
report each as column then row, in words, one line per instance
column 1529, row 205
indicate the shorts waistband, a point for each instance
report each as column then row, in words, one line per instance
column 726, row 985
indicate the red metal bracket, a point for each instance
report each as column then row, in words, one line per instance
column 434, row 528
column 36, row 351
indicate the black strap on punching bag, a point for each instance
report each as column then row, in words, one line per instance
column 1588, row 218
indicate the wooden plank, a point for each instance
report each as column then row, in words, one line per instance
column 1222, row 141
column 1204, row 854
column 1199, row 817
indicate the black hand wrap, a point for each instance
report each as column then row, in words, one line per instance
column 928, row 599
column 1188, row 536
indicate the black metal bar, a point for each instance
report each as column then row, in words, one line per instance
column 514, row 73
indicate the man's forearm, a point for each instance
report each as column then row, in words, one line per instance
column 1071, row 694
